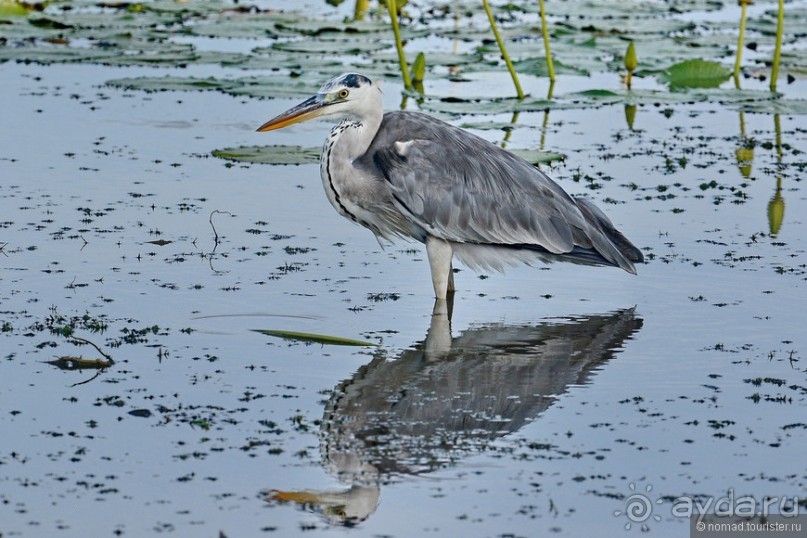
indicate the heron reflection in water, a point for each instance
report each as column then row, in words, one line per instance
column 407, row 174
column 447, row 398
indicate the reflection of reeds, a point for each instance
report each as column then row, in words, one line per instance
column 505, row 56
column 776, row 206
column 777, row 51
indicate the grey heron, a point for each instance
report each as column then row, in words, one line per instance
column 407, row 174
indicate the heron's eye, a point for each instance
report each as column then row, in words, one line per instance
column 343, row 94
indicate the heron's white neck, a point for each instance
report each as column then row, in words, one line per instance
column 354, row 134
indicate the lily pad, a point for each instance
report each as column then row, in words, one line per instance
column 278, row 86
column 315, row 338
column 341, row 46
column 537, row 66
column 270, row 154
column 783, row 106
column 695, row 73
column 537, row 156
column 159, row 84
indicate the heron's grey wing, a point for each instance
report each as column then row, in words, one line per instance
column 462, row 188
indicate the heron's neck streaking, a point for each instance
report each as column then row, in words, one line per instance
column 354, row 134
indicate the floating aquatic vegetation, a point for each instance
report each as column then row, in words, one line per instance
column 270, row 154
column 315, row 338
column 695, row 74
column 587, row 37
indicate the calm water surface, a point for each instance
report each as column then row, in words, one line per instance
column 554, row 394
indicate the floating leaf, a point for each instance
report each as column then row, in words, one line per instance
column 159, row 84
column 536, row 156
column 695, row 73
column 270, row 154
column 341, row 46
column 315, row 338
column 537, row 66
column 776, row 106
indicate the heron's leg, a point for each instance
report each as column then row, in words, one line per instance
column 440, row 253
column 451, row 287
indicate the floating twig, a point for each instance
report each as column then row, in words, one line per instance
column 216, row 239
column 107, row 356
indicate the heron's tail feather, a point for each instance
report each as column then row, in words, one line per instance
column 616, row 248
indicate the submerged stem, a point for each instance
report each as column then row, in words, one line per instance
column 505, row 56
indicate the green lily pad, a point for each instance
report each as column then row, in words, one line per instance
column 314, row 27
column 161, row 84
column 695, row 73
column 537, row 66
column 237, row 25
column 270, row 154
column 278, row 86
column 341, row 46
column 537, row 156
column 315, row 338
column 432, row 58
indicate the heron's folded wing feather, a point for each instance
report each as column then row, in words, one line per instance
column 461, row 188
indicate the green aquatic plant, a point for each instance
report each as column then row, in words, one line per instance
column 270, row 154
column 695, row 73
column 360, row 10
column 315, row 338
column 418, row 72
column 393, row 14
column 777, row 51
column 740, row 39
column 545, row 33
column 503, row 49
column 631, row 63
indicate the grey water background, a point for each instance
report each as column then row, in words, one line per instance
column 574, row 387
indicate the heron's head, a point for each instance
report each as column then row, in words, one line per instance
column 350, row 94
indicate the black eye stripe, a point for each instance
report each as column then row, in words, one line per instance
column 354, row 80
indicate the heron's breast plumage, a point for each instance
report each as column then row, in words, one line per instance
column 354, row 193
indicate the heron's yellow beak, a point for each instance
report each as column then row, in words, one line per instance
column 308, row 109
